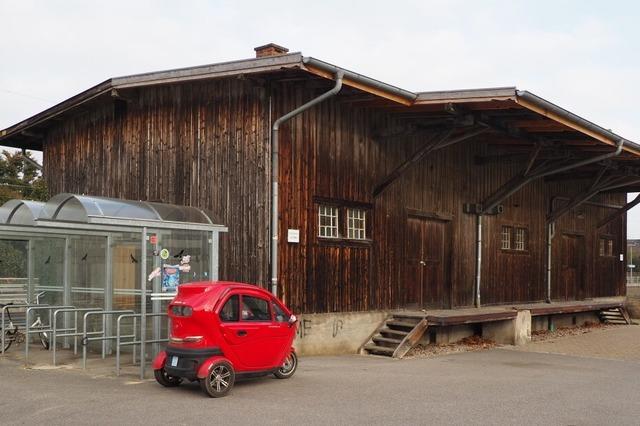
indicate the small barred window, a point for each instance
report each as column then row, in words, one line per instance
column 521, row 239
column 328, row 221
column 506, row 238
column 356, row 224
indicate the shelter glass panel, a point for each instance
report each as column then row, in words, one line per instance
column 48, row 269
column 87, row 270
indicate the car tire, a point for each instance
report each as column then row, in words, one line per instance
column 288, row 368
column 165, row 379
column 219, row 380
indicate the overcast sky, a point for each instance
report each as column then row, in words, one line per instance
column 583, row 55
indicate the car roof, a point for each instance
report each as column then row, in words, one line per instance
column 227, row 285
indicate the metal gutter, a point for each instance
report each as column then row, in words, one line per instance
column 275, row 169
column 359, row 81
column 569, row 119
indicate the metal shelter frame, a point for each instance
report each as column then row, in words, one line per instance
column 66, row 216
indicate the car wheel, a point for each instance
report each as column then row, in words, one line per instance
column 165, row 379
column 288, row 368
column 219, row 381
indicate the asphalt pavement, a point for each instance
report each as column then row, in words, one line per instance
column 498, row 386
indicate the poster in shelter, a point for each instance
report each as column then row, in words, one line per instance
column 170, row 278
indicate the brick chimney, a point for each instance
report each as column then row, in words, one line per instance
column 270, row 49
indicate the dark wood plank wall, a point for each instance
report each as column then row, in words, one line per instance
column 332, row 153
column 603, row 275
column 207, row 145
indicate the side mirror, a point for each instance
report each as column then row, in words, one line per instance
column 292, row 320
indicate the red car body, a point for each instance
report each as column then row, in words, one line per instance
column 220, row 330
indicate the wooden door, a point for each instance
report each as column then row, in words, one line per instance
column 572, row 267
column 426, row 282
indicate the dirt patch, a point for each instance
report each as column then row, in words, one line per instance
column 468, row 344
column 544, row 335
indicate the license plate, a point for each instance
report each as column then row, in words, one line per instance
column 174, row 361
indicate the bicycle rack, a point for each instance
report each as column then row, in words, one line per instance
column 27, row 332
column 86, row 339
column 6, row 309
column 69, row 332
column 133, row 342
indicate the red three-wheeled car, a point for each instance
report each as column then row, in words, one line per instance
column 220, row 331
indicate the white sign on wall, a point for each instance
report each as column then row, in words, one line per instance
column 293, row 235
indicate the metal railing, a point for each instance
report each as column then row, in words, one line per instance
column 134, row 342
column 40, row 329
column 68, row 331
column 5, row 309
column 85, row 334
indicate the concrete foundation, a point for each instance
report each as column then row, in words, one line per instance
column 345, row 333
column 336, row 333
column 512, row 332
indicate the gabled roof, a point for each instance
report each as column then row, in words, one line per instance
column 25, row 134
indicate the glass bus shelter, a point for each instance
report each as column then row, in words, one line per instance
column 102, row 252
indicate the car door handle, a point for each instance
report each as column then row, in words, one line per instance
column 242, row 332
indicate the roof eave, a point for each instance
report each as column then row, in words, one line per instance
column 223, row 69
column 359, row 81
column 554, row 112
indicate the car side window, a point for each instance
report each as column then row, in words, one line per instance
column 255, row 309
column 229, row 312
column 279, row 313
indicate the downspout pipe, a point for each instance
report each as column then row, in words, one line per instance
column 478, row 258
column 275, row 170
column 550, row 234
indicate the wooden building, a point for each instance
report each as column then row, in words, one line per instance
column 381, row 190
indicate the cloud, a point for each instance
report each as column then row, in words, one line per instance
column 579, row 54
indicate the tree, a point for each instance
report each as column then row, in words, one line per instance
column 13, row 259
column 20, row 179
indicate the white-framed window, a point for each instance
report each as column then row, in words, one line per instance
column 328, row 221
column 520, row 241
column 356, row 224
column 506, row 238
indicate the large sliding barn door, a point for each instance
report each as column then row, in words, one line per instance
column 426, row 282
